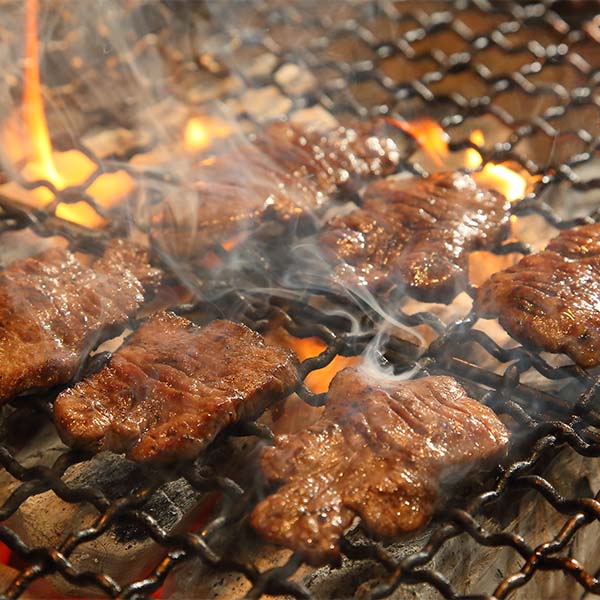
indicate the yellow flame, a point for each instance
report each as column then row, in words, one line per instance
column 493, row 175
column 201, row 132
column 196, row 135
column 35, row 119
column 62, row 169
column 434, row 142
column 429, row 135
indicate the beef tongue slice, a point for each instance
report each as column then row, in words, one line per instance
column 378, row 452
column 54, row 309
column 173, row 387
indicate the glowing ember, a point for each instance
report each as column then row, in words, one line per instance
column 434, row 142
column 231, row 243
column 318, row 381
column 30, row 141
column 201, row 132
column 4, row 554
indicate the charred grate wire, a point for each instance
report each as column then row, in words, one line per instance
column 446, row 52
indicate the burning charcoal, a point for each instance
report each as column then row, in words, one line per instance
column 378, row 452
column 173, row 387
column 55, row 310
column 194, row 579
column 416, row 234
column 550, row 299
column 126, row 551
column 261, row 67
column 287, row 175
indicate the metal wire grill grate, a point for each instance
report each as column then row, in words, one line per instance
column 528, row 74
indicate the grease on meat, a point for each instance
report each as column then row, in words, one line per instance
column 551, row 299
column 416, row 234
column 378, row 452
column 54, row 310
column 172, row 387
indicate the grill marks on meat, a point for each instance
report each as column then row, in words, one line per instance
column 173, row 387
column 377, row 452
column 551, row 300
column 286, row 175
column 416, row 234
column 54, row 310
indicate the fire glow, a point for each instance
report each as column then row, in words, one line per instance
column 318, row 381
column 429, row 135
column 27, row 142
column 434, row 141
column 200, row 133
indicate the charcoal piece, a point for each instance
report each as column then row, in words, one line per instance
column 54, row 310
column 551, row 300
column 416, row 235
column 378, row 451
column 125, row 551
column 173, row 387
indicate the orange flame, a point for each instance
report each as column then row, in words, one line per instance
column 31, row 141
column 493, row 175
column 429, row 135
column 434, row 142
column 318, row 381
column 201, row 132
column 33, row 110
column 234, row 241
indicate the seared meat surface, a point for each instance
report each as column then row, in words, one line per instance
column 377, row 452
column 54, row 310
column 285, row 175
column 172, row 387
column 416, row 234
column 551, row 300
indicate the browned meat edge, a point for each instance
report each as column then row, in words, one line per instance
column 378, row 452
column 416, row 235
column 172, row 387
column 551, row 300
column 54, row 310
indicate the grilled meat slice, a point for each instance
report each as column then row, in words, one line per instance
column 416, row 234
column 284, row 176
column 54, row 310
column 551, row 300
column 378, row 452
column 172, row 388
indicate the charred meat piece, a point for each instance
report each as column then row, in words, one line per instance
column 551, row 300
column 286, row 175
column 416, row 234
column 54, row 309
column 172, row 388
column 378, row 452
